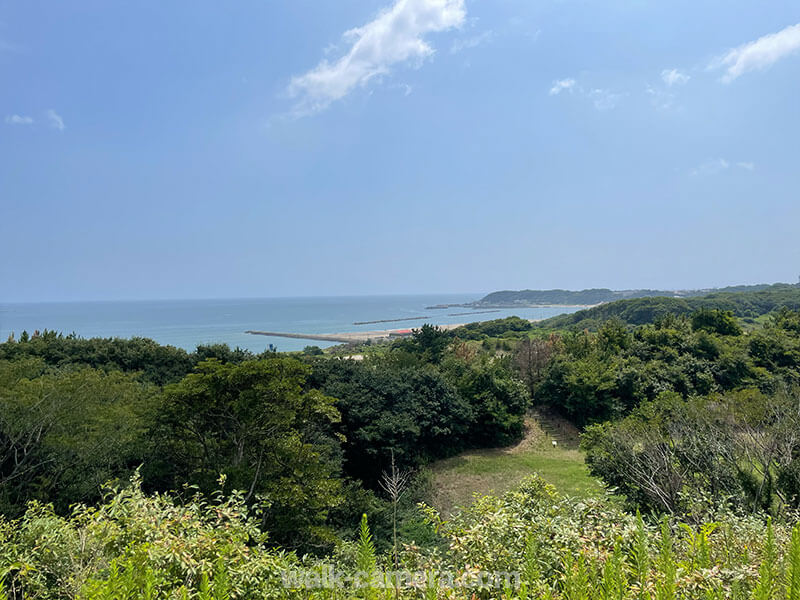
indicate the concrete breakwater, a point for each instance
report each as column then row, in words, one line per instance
column 460, row 314
column 346, row 337
column 390, row 320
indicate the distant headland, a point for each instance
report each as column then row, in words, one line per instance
column 591, row 297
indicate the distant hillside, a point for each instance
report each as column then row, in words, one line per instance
column 749, row 304
column 594, row 296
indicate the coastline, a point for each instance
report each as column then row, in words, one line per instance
column 187, row 324
column 512, row 306
column 347, row 336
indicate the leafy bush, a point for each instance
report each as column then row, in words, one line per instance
column 537, row 544
column 641, row 311
column 255, row 423
column 604, row 375
column 134, row 545
column 414, row 413
column 64, row 434
column 671, row 452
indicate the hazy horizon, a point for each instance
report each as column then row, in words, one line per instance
column 476, row 295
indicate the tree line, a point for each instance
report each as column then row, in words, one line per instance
column 306, row 438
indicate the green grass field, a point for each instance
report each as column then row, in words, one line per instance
column 455, row 480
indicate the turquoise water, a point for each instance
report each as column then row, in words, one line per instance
column 187, row 323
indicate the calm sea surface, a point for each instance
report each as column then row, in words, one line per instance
column 187, row 323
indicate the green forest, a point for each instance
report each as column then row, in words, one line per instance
column 129, row 469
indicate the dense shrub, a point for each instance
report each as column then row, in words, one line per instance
column 413, row 412
column 64, row 434
column 528, row 543
column 599, row 376
column 641, row 311
column 255, row 423
column 670, row 452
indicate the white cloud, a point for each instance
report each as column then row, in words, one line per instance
column 55, row 120
column 471, row 42
column 759, row 54
column 404, row 87
column 395, row 36
column 604, row 99
column 601, row 98
column 19, row 120
column 660, row 98
column 674, row 77
column 718, row 165
column 562, row 85
column 663, row 97
column 711, row 167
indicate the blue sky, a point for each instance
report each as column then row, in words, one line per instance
column 207, row 149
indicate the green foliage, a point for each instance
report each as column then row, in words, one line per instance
column 594, row 377
column 158, row 364
column 793, row 566
column 671, row 454
column 64, row 434
column 414, row 413
column 722, row 322
column 494, row 328
column 497, row 398
column 365, row 551
column 135, row 545
column 749, row 303
column 255, row 423
column 767, row 583
column 430, row 342
column 686, row 415
column 582, row 389
column 593, row 296
column 668, row 569
column 139, row 546
column 76, row 413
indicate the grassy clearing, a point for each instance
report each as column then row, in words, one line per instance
column 455, row 480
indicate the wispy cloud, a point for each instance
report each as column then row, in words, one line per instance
column 660, row 98
column 54, row 119
column 711, row 167
column 758, row 54
column 562, row 85
column 718, row 165
column 604, row 99
column 471, row 42
column 404, row 87
column 19, row 120
column 601, row 98
column 395, row 36
column 674, row 77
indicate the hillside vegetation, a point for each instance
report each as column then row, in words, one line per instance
column 239, row 475
column 594, row 296
column 529, row 543
column 747, row 305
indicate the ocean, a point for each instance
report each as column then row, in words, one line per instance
column 187, row 323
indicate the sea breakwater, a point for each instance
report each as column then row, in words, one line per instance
column 346, row 337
